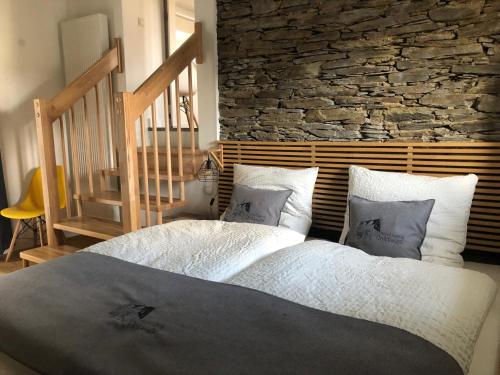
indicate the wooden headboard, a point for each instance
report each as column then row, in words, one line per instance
column 334, row 159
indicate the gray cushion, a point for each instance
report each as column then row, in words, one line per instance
column 393, row 229
column 259, row 206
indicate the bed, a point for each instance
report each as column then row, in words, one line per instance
column 260, row 296
column 298, row 274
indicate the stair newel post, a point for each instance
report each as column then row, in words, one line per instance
column 127, row 151
column 48, row 166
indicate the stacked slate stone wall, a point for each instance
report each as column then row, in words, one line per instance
column 359, row 69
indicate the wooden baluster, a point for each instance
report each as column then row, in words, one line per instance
column 190, row 108
column 101, row 136
column 182, row 192
column 127, row 148
column 112, row 146
column 45, row 137
column 169, row 149
column 65, row 166
column 88, row 146
column 159, row 210
column 145, row 176
column 76, row 161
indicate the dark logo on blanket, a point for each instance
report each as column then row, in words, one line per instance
column 132, row 315
column 372, row 230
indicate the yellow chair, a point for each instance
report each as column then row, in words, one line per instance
column 30, row 211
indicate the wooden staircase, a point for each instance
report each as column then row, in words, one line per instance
column 114, row 198
column 119, row 175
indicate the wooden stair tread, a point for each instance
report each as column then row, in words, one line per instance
column 103, row 229
column 114, row 198
column 45, row 253
column 165, row 205
column 151, row 174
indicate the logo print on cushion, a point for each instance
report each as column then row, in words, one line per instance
column 244, row 210
column 370, row 225
column 246, row 206
column 368, row 229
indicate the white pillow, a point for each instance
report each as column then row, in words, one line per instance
column 447, row 225
column 297, row 212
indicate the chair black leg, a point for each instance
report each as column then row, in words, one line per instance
column 40, row 230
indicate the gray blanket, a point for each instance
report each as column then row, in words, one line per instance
column 92, row 314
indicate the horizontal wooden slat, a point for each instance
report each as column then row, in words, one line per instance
column 474, row 247
column 334, row 158
column 488, row 236
column 482, row 229
column 309, row 144
column 493, row 244
column 402, row 154
column 485, row 208
column 483, row 203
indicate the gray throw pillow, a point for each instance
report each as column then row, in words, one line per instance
column 259, row 206
column 392, row 229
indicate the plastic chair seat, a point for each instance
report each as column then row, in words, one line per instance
column 31, row 206
column 17, row 213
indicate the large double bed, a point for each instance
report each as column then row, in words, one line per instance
column 80, row 313
column 233, row 297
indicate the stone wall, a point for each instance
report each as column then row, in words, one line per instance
column 359, row 69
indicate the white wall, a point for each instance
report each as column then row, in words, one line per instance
column 208, row 110
column 144, row 42
column 139, row 23
column 200, row 193
column 30, row 67
column 113, row 10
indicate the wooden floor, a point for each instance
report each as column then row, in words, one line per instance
column 13, row 265
column 15, row 262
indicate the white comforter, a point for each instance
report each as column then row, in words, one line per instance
column 443, row 305
column 206, row 249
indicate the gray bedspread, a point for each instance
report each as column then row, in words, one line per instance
column 92, row 314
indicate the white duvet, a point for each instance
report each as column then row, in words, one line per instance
column 444, row 305
column 206, row 249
